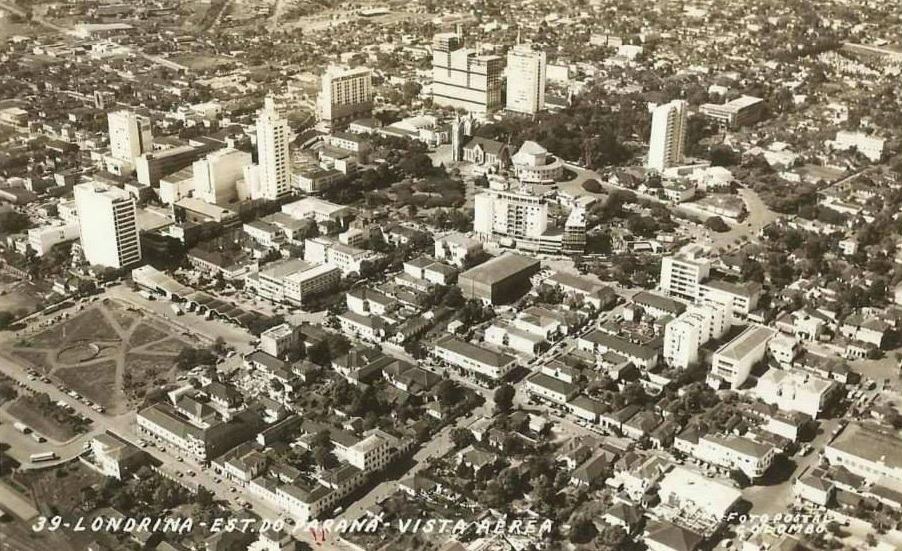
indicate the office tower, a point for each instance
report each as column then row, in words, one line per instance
column 346, row 95
column 216, row 176
column 130, row 135
column 668, row 135
column 274, row 172
column 463, row 79
column 525, row 80
column 109, row 229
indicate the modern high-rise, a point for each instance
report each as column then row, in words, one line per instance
column 525, row 80
column 216, row 176
column 130, row 135
column 273, row 179
column 108, row 222
column 346, row 95
column 682, row 274
column 461, row 78
column 668, row 135
column 518, row 219
column 693, row 328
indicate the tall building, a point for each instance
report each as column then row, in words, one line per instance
column 668, row 135
column 518, row 219
column 273, row 178
column 346, row 95
column 109, row 229
column 681, row 275
column 216, row 176
column 693, row 328
column 130, row 135
column 525, row 80
column 461, row 78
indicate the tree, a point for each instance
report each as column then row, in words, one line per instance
column 716, row 223
column 582, row 530
column 592, row 186
column 461, row 437
column 740, row 478
column 504, row 397
column 6, row 319
column 219, row 346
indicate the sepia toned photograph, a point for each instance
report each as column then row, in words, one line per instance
column 470, row 275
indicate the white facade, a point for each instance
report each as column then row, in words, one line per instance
column 346, row 94
column 216, row 176
column 108, row 223
column 273, row 134
column 41, row 240
column 457, row 248
column 130, row 135
column 682, row 274
column 869, row 146
column 525, row 80
column 692, row 329
column 736, row 452
column 474, row 358
column 510, row 214
column 668, row 135
column 326, row 251
column 733, row 362
column 463, row 79
column 794, row 391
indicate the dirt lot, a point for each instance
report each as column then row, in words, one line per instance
column 59, row 490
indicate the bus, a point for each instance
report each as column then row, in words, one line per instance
column 44, row 456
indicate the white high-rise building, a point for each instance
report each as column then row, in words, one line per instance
column 274, row 173
column 682, row 275
column 510, row 214
column 108, row 222
column 525, row 80
column 216, row 176
column 693, row 328
column 461, row 78
column 346, row 95
column 130, row 135
column 668, row 135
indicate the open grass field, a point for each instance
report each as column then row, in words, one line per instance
column 109, row 353
column 95, row 381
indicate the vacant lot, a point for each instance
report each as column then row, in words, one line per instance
column 89, row 325
column 144, row 372
column 123, row 315
column 172, row 345
column 33, row 358
column 146, row 334
column 94, row 381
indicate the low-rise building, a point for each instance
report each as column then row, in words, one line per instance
column 473, row 358
column 792, row 390
column 736, row 452
column 733, row 362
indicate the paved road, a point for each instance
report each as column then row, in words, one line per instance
column 778, row 498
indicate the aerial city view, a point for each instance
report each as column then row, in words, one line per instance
column 472, row 275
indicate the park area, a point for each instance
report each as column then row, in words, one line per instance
column 109, row 353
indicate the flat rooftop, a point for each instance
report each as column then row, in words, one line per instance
column 500, row 268
column 747, row 341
